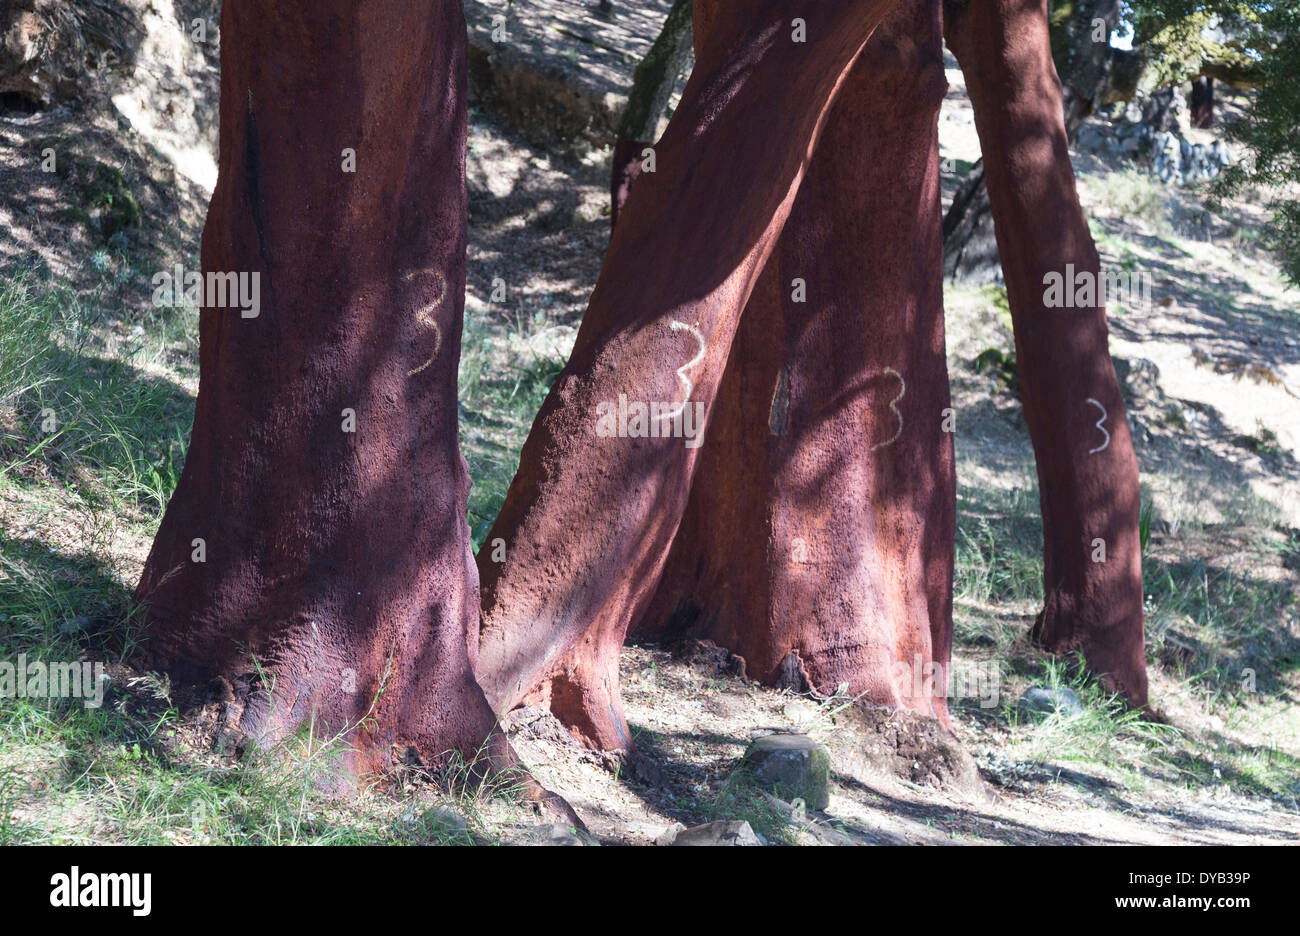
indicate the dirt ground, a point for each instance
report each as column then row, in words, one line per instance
column 692, row 724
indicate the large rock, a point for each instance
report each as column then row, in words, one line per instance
column 1140, row 380
column 793, row 766
column 41, row 49
column 718, row 832
column 55, row 51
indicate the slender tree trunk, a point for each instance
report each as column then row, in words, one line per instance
column 818, row 543
column 328, row 421
column 1083, row 58
column 1203, row 102
column 589, row 518
column 1087, row 470
column 652, row 86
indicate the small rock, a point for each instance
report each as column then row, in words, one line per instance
column 1139, row 378
column 557, row 833
column 792, row 766
column 1038, row 700
column 76, row 624
column 448, row 819
column 719, row 832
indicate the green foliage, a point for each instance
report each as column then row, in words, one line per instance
column 1269, row 130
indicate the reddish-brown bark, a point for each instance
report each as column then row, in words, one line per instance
column 1088, row 476
column 626, row 167
column 339, row 586
column 818, row 543
column 588, row 521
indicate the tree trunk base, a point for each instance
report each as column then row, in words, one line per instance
column 1118, row 662
column 583, row 694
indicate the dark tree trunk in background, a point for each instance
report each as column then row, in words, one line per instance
column 1203, row 102
column 1083, row 62
column 970, row 248
column 652, row 86
column 588, row 520
column 1084, row 66
column 338, row 563
column 818, row 542
column 1088, row 480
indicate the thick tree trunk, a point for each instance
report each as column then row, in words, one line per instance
column 652, row 86
column 818, row 543
column 1087, row 470
column 303, row 599
column 589, row 519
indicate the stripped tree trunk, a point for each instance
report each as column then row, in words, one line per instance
column 1081, row 50
column 818, row 543
column 589, row 518
column 331, row 416
column 1087, row 470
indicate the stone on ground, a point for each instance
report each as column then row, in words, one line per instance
column 793, row 766
column 1038, row 700
column 718, row 832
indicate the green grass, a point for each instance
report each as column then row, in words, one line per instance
column 742, row 798
column 999, row 547
column 503, row 382
column 71, row 775
column 1136, row 195
column 101, row 429
column 1105, row 731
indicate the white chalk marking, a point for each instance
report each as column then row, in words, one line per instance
column 1104, row 415
column 693, row 362
column 425, row 318
column 902, row 392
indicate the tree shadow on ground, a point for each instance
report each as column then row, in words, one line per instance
column 1222, row 313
